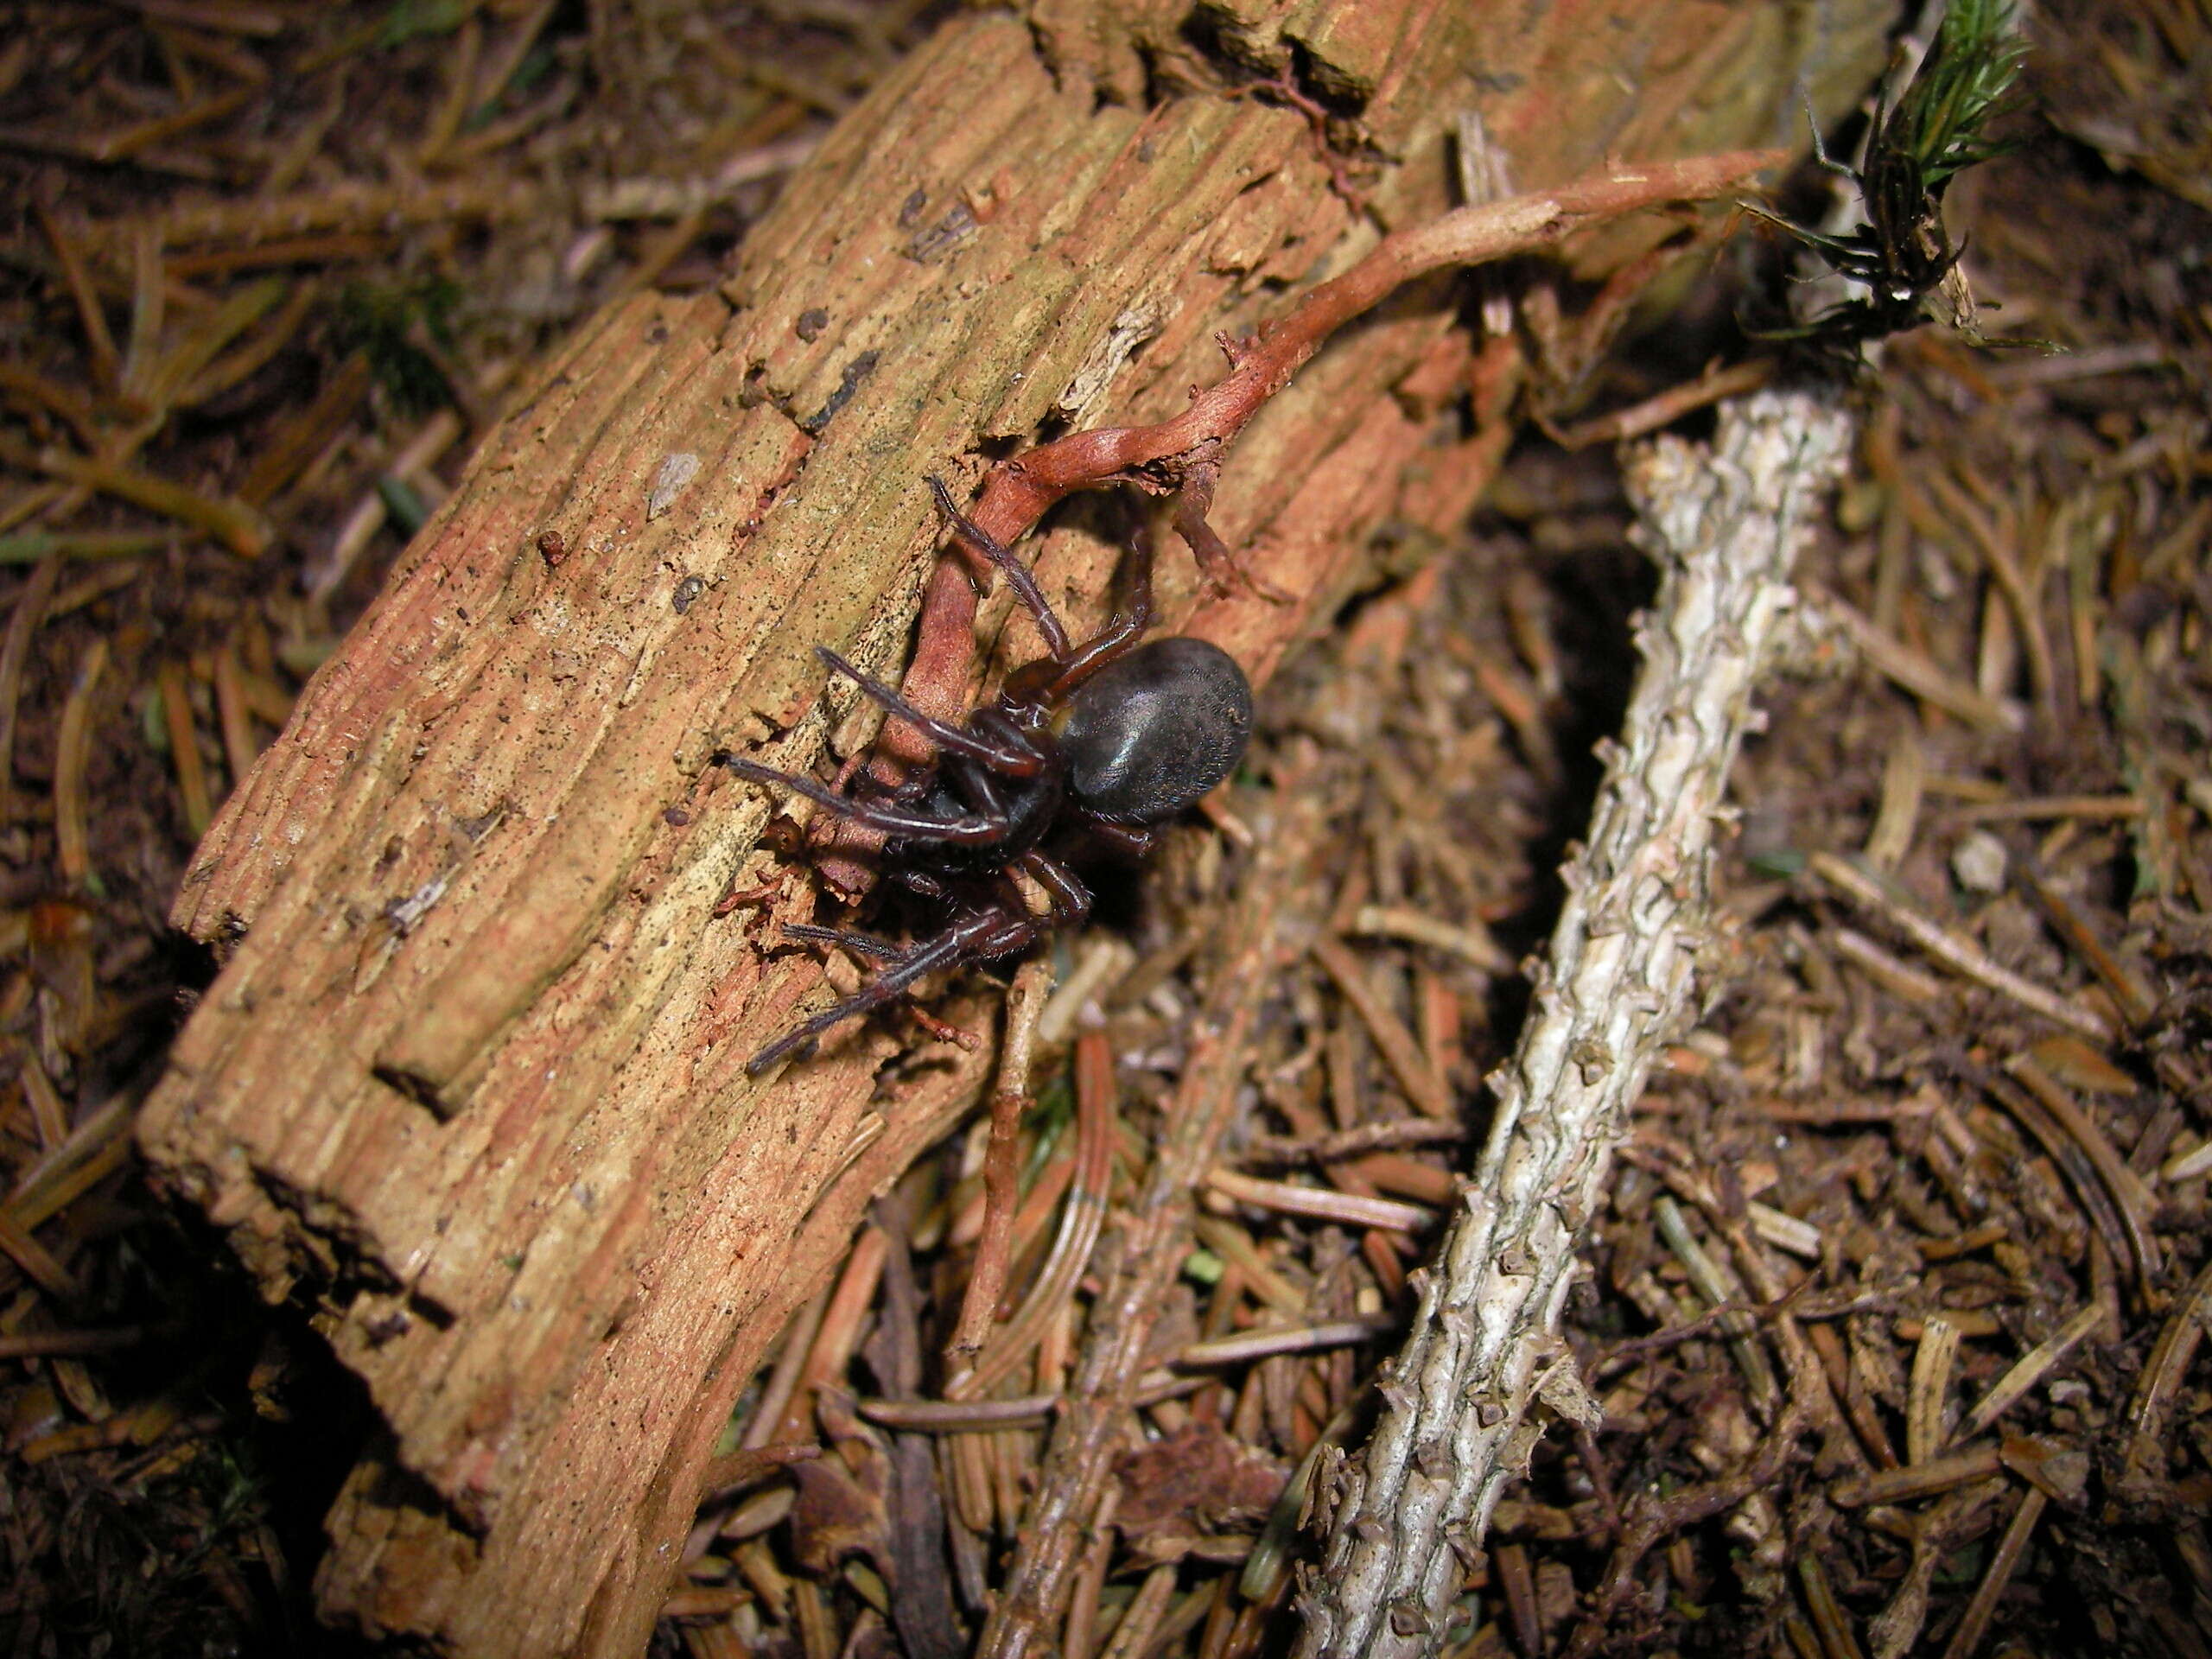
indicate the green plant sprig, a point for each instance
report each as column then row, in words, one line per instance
column 1936, row 129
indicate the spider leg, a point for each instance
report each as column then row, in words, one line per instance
column 866, row 945
column 1131, row 840
column 1048, row 684
column 1070, row 898
column 995, row 930
column 964, row 941
column 984, row 790
column 969, row 830
column 1022, row 762
column 1820, row 156
column 1017, row 573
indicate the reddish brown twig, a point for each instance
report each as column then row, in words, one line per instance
column 1001, row 1171
column 1097, row 1101
column 1182, row 456
column 1018, row 492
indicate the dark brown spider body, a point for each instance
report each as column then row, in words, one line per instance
column 1101, row 742
column 1031, row 806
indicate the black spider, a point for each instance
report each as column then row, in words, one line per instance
column 1103, row 741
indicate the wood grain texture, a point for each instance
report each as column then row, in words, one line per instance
column 471, row 1076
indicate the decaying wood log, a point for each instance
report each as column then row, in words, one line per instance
column 472, row 1076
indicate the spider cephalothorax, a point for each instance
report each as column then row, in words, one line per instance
column 1104, row 740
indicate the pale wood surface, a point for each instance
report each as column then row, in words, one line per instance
column 511, row 1150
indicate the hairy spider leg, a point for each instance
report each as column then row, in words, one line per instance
column 965, row 940
column 1017, row 573
column 1017, row 762
column 982, row 785
column 975, row 936
column 866, row 945
column 1121, row 633
column 1821, row 158
column 1027, row 690
column 1037, row 687
column 966, row 832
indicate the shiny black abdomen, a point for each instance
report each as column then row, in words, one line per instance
column 1149, row 734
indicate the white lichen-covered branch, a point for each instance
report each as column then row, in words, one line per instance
column 1619, row 979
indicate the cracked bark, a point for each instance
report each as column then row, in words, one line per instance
column 1619, row 979
column 471, row 1078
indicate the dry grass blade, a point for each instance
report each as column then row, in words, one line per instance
column 1721, row 1295
column 1471, row 944
column 2158, row 1388
column 57, row 1345
column 2122, row 1185
column 986, row 1279
column 1954, row 951
column 1912, row 670
column 107, row 364
column 1414, row 1074
column 2031, row 1368
column 1295, row 1339
column 95, row 1150
column 38, row 1263
column 1348, row 1209
column 184, row 748
column 1975, row 1626
column 1081, row 1219
column 1924, row 1479
column 73, row 844
column 233, row 524
column 23, row 626
column 1925, row 1430
column 1133, row 1635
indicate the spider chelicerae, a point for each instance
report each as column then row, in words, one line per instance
column 1100, row 742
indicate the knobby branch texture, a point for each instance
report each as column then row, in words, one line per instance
column 1621, row 976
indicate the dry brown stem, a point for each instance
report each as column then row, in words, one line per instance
column 24, row 621
column 1951, row 948
column 1080, row 1221
column 1008, row 1102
